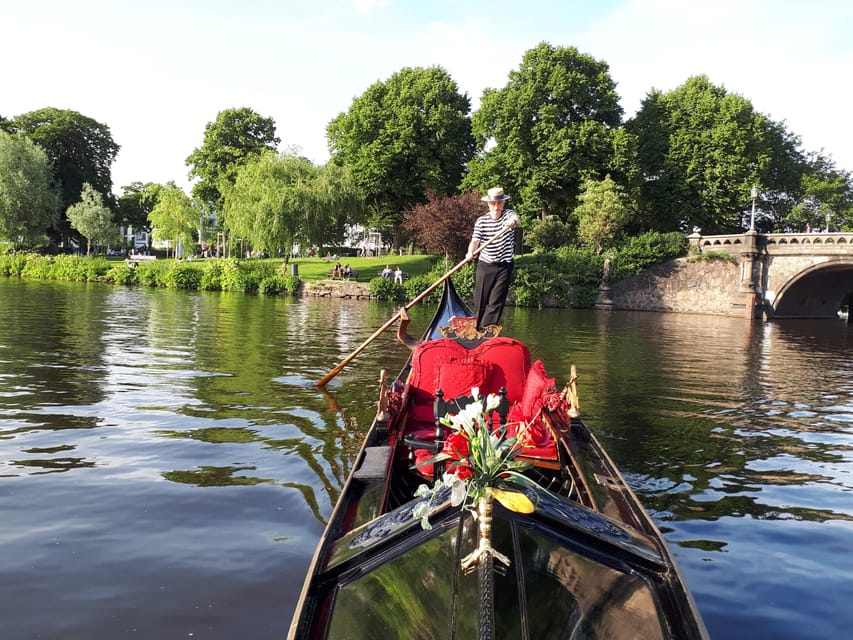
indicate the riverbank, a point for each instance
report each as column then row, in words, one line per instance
column 684, row 285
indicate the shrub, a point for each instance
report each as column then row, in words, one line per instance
column 274, row 285
column 254, row 272
column 211, row 276
column 548, row 235
column 415, row 285
column 641, row 252
column 232, row 277
column 122, row 273
column 385, row 289
column 581, row 265
column 151, row 273
column 12, row 264
column 537, row 279
column 183, row 275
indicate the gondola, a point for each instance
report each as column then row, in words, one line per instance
column 569, row 553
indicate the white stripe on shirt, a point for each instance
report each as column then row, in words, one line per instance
column 485, row 228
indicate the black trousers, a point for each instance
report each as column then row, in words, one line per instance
column 490, row 290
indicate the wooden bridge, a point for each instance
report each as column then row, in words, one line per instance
column 788, row 275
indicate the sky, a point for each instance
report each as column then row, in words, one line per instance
column 156, row 72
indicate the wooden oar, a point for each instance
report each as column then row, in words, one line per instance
column 337, row 369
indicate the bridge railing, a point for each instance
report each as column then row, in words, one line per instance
column 800, row 243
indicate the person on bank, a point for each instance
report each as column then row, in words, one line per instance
column 494, row 263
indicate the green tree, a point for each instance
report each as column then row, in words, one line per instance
column 174, row 217
column 137, row 202
column 549, row 234
column 702, row 150
column 554, row 124
column 602, row 213
column 402, row 138
column 280, row 199
column 91, row 218
column 80, row 149
column 29, row 200
column 825, row 190
column 235, row 137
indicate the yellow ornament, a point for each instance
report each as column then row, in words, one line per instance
column 512, row 500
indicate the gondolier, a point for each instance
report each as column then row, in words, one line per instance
column 494, row 264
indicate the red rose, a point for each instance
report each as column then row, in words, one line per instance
column 462, row 470
column 456, row 446
column 422, row 455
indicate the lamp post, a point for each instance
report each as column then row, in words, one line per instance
column 754, row 193
column 827, row 220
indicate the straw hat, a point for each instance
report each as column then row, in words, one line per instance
column 495, row 194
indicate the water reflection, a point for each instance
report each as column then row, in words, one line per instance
column 155, row 417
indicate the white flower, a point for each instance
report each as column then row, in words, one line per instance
column 492, row 402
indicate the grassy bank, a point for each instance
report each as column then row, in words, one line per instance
column 567, row 277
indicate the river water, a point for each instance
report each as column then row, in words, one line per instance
column 167, row 462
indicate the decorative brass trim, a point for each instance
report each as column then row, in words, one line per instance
column 466, row 329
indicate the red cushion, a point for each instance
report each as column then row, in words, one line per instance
column 457, row 377
column 426, row 360
column 509, row 360
column 537, row 383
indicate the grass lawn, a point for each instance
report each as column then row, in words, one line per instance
column 311, row 269
column 368, row 268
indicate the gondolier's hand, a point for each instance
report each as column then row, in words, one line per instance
column 512, row 220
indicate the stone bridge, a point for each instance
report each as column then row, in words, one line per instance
column 787, row 275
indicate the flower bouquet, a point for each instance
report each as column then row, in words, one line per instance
column 481, row 463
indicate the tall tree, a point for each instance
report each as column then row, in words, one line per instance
column 136, row 203
column 91, row 218
column 401, row 138
column 702, row 150
column 444, row 223
column 235, row 137
column 280, row 199
column 826, row 191
column 174, row 217
column 80, row 149
column 602, row 213
column 554, row 124
column 29, row 200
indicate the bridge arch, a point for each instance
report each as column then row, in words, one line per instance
column 817, row 291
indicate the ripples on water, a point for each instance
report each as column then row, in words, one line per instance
column 167, row 463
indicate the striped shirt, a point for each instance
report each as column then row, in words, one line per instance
column 485, row 228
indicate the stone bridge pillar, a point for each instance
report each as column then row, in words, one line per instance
column 750, row 276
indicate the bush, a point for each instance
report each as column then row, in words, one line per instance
column 232, row 277
column 581, row 265
column 122, row 273
column 415, row 285
column 548, row 235
column 385, row 289
column 64, row 267
column 151, row 273
column 641, row 252
column 254, row 272
column 12, row 264
column 538, row 279
column 183, row 275
column 211, row 276
column 274, row 285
